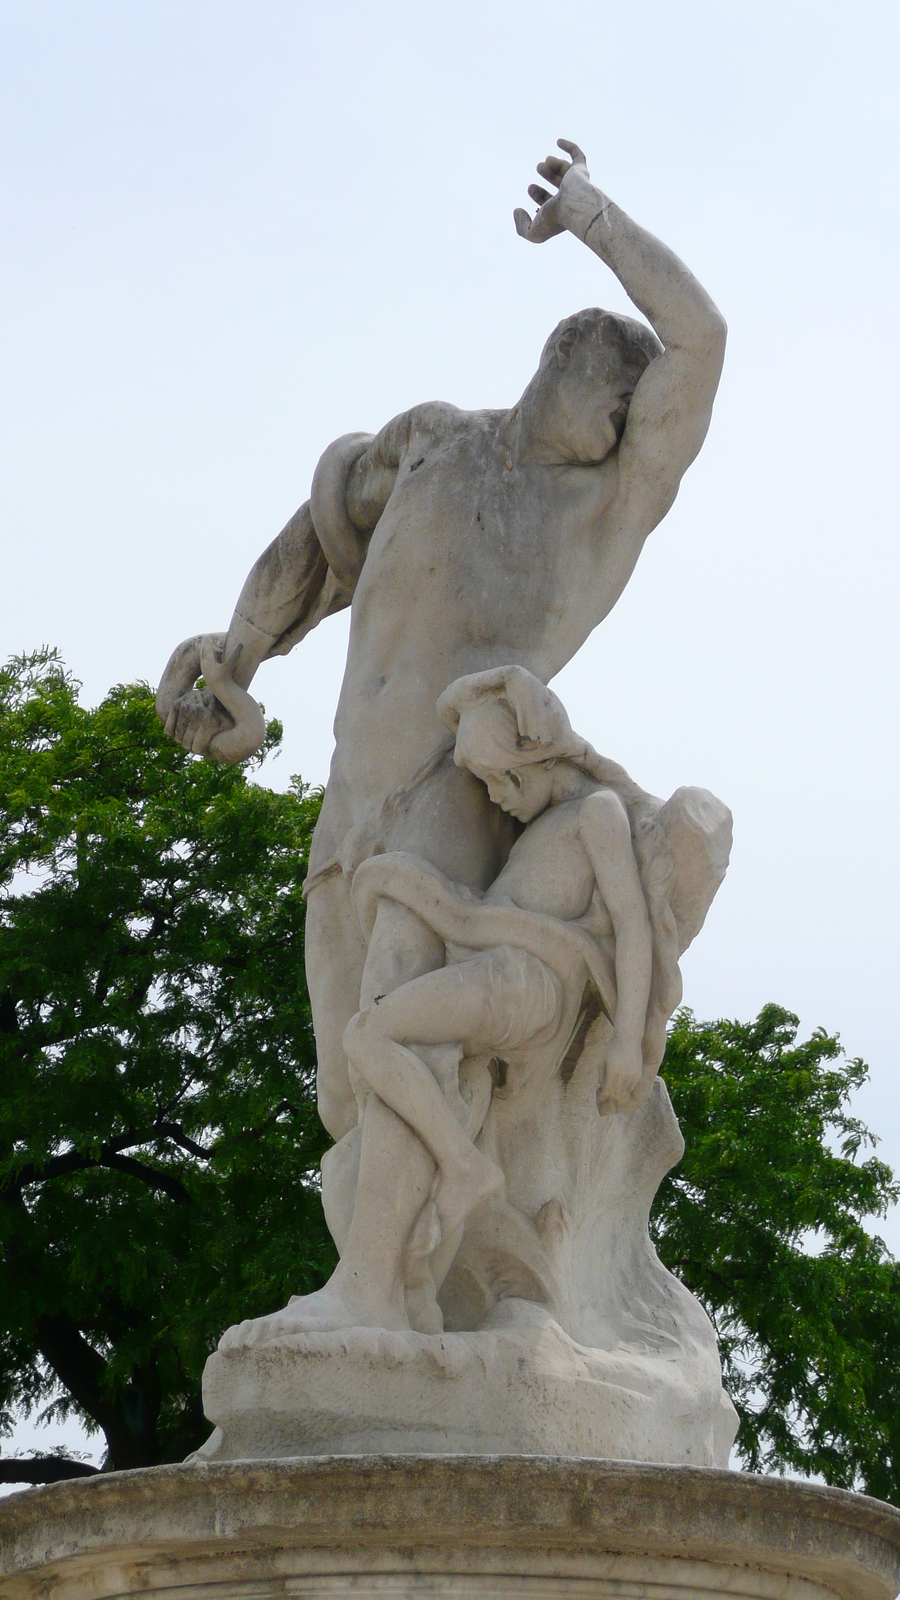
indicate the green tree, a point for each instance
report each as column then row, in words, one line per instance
column 158, row 1135
column 763, row 1220
column 159, row 1143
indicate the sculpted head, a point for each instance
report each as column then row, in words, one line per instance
column 486, row 711
column 576, row 405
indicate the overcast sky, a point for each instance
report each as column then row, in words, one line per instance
column 233, row 231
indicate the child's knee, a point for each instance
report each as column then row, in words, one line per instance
column 362, row 1028
column 607, row 805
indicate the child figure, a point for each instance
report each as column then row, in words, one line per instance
column 572, row 916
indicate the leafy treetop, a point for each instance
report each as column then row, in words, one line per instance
column 763, row 1220
column 159, row 1143
column 158, row 1137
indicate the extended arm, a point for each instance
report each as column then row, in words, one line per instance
column 606, row 836
column 307, row 573
column 670, row 410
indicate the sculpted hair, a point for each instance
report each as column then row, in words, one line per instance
column 622, row 340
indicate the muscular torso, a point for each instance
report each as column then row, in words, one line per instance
column 471, row 565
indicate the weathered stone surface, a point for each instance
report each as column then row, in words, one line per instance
column 524, row 1388
column 508, row 1298
column 495, row 910
column 583, row 1345
column 403, row 1527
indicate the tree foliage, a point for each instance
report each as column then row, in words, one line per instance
column 158, row 1136
column 159, row 1143
column 763, row 1220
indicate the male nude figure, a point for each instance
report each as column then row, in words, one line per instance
column 465, row 540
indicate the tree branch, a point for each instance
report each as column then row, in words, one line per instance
column 43, row 1469
column 151, row 1176
column 248, row 1135
column 9, row 1021
column 175, row 1132
column 76, row 1363
column 74, row 1161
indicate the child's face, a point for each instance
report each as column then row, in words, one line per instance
column 524, row 792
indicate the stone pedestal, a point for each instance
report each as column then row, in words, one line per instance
column 487, row 1528
column 521, row 1389
column 563, row 1333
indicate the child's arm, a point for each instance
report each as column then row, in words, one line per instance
column 606, row 836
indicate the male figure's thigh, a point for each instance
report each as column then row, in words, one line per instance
column 335, row 960
column 402, row 947
column 450, row 821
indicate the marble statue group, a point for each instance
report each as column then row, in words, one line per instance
column 495, row 911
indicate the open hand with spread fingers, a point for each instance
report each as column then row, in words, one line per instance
column 575, row 204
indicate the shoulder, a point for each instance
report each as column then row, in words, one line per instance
column 429, row 423
column 420, row 427
column 603, row 816
column 437, row 419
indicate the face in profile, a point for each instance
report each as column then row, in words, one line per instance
column 592, row 409
column 523, row 792
column 589, row 370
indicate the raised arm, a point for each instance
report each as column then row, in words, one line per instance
column 670, row 409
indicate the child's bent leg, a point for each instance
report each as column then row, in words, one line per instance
column 445, row 1006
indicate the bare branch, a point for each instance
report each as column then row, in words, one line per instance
column 151, row 1176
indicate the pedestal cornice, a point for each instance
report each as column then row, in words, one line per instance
column 443, row 1525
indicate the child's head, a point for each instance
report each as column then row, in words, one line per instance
column 485, row 711
column 524, row 791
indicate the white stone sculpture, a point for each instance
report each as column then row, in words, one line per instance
column 471, row 995
column 524, row 1066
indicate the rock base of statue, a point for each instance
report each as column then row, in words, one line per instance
column 521, row 1387
column 484, row 1529
column 565, row 1335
